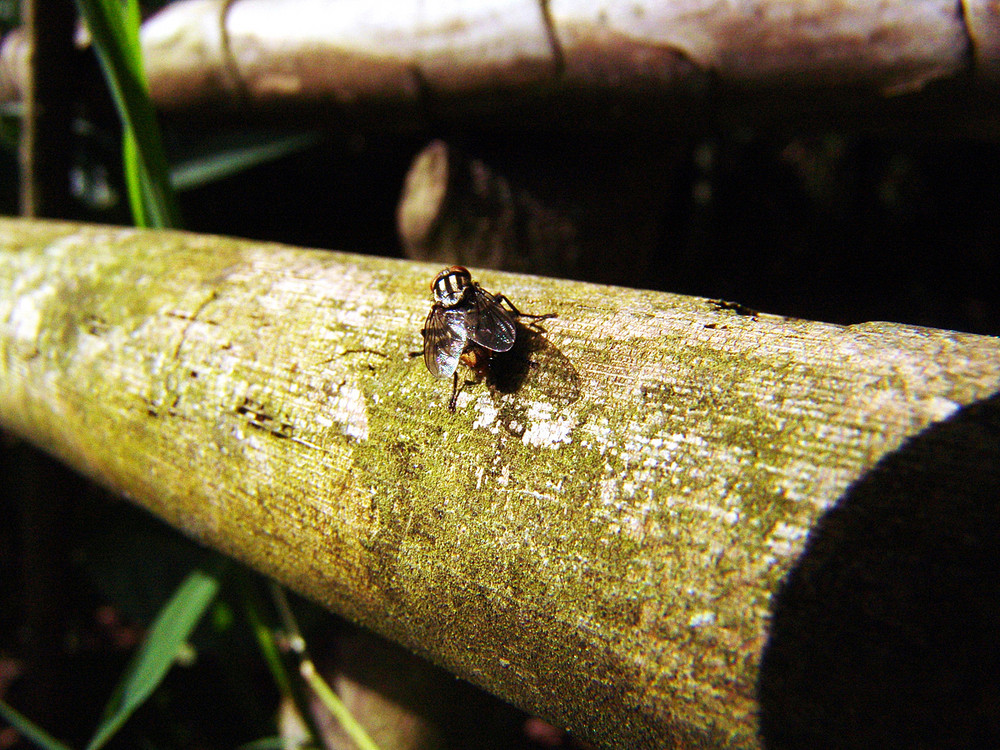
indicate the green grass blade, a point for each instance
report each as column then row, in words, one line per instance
column 320, row 688
column 131, row 21
column 171, row 629
column 133, row 179
column 29, row 730
column 335, row 706
column 114, row 31
column 225, row 163
column 252, row 606
column 290, row 691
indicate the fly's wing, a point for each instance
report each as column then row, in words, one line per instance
column 445, row 336
column 489, row 324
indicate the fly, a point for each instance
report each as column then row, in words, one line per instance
column 467, row 325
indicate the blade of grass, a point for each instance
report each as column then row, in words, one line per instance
column 252, row 606
column 114, row 31
column 319, row 686
column 132, row 19
column 171, row 629
column 134, row 179
column 225, row 163
column 29, row 730
column 336, row 707
column 291, row 691
column 138, row 180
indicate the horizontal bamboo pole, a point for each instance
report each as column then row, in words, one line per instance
column 260, row 52
column 226, row 53
column 595, row 537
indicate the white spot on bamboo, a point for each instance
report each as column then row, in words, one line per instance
column 546, row 429
column 785, row 539
column 347, row 409
column 701, row 618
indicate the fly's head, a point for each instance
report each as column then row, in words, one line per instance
column 451, row 286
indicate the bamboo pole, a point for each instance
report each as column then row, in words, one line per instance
column 265, row 53
column 595, row 537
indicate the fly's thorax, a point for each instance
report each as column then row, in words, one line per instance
column 451, row 286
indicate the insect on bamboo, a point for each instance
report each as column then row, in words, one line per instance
column 467, row 325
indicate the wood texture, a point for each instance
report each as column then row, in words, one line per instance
column 600, row 544
column 264, row 53
column 455, row 210
column 309, row 50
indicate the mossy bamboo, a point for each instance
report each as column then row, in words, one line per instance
column 595, row 537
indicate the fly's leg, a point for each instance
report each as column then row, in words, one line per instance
column 454, row 392
column 518, row 313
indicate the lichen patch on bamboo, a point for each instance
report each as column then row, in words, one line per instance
column 25, row 315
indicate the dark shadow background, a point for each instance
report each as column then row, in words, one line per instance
column 886, row 633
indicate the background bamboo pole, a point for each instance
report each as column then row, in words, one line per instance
column 260, row 54
column 595, row 537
